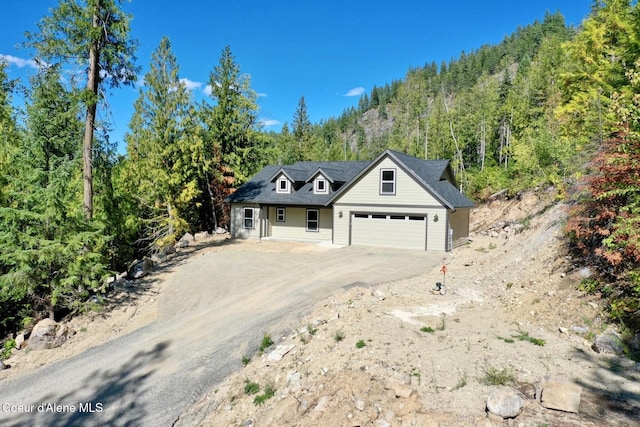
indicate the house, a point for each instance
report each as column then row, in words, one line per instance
column 396, row 200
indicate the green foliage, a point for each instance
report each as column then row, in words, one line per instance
column 246, row 360
column 338, row 336
column 427, row 329
column 6, row 350
column 266, row 342
column 494, row 376
column 95, row 35
column 268, row 393
column 524, row 336
column 166, row 159
column 251, row 387
column 361, row 344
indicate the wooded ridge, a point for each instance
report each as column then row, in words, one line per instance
column 550, row 105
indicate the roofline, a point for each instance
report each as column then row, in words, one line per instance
column 316, row 172
column 404, row 167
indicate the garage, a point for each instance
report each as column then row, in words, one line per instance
column 389, row 229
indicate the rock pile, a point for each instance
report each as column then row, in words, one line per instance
column 502, row 230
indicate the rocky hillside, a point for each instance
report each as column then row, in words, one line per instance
column 510, row 332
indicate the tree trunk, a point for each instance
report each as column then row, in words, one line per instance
column 213, row 202
column 89, row 125
column 171, row 219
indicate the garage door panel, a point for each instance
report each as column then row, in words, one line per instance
column 391, row 230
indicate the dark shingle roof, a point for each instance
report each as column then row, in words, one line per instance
column 262, row 188
column 431, row 174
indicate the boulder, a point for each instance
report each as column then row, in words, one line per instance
column 505, row 402
column 168, row 250
column 43, row 335
column 561, row 395
column 20, row 340
column 221, row 230
column 279, row 352
column 185, row 240
column 202, row 235
column 139, row 269
column 608, row 343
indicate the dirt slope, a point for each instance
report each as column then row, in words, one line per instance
column 510, row 280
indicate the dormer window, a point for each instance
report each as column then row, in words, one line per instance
column 283, row 185
column 320, row 186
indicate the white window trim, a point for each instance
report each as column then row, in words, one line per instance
column 317, row 229
column 284, row 215
column 279, row 188
column 316, row 186
column 245, row 218
column 383, row 181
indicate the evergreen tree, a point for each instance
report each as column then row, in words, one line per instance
column 230, row 125
column 598, row 59
column 52, row 256
column 95, row 34
column 165, row 159
column 301, row 128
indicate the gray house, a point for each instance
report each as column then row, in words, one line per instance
column 395, row 200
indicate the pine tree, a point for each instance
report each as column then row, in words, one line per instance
column 95, row 34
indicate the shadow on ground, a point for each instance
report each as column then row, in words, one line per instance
column 108, row 397
column 131, row 293
column 611, row 394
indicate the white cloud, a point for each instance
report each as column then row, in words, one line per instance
column 270, row 122
column 190, row 84
column 356, row 91
column 20, row 62
column 207, row 90
column 261, row 95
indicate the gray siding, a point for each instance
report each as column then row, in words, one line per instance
column 238, row 229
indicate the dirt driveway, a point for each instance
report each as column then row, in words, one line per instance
column 211, row 310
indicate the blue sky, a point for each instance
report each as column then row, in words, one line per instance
column 330, row 52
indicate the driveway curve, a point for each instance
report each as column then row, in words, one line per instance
column 213, row 309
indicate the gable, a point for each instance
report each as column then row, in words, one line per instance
column 366, row 189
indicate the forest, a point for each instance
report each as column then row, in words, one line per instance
column 550, row 105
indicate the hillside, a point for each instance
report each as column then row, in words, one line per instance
column 512, row 280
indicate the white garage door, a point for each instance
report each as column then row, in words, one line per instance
column 392, row 230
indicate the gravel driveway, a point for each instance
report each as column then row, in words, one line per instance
column 213, row 309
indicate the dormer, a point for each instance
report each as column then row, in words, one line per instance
column 320, row 185
column 283, row 184
column 321, row 182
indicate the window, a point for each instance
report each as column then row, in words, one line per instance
column 282, row 185
column 388, row 181
column 378, row 216
column 321, row 186
column 313, row 220
column 247, row 218
column 400, row 217
column 358, row 215
column 280, row 215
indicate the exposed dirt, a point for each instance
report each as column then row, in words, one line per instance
column 497, row 288
column 508, row 280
